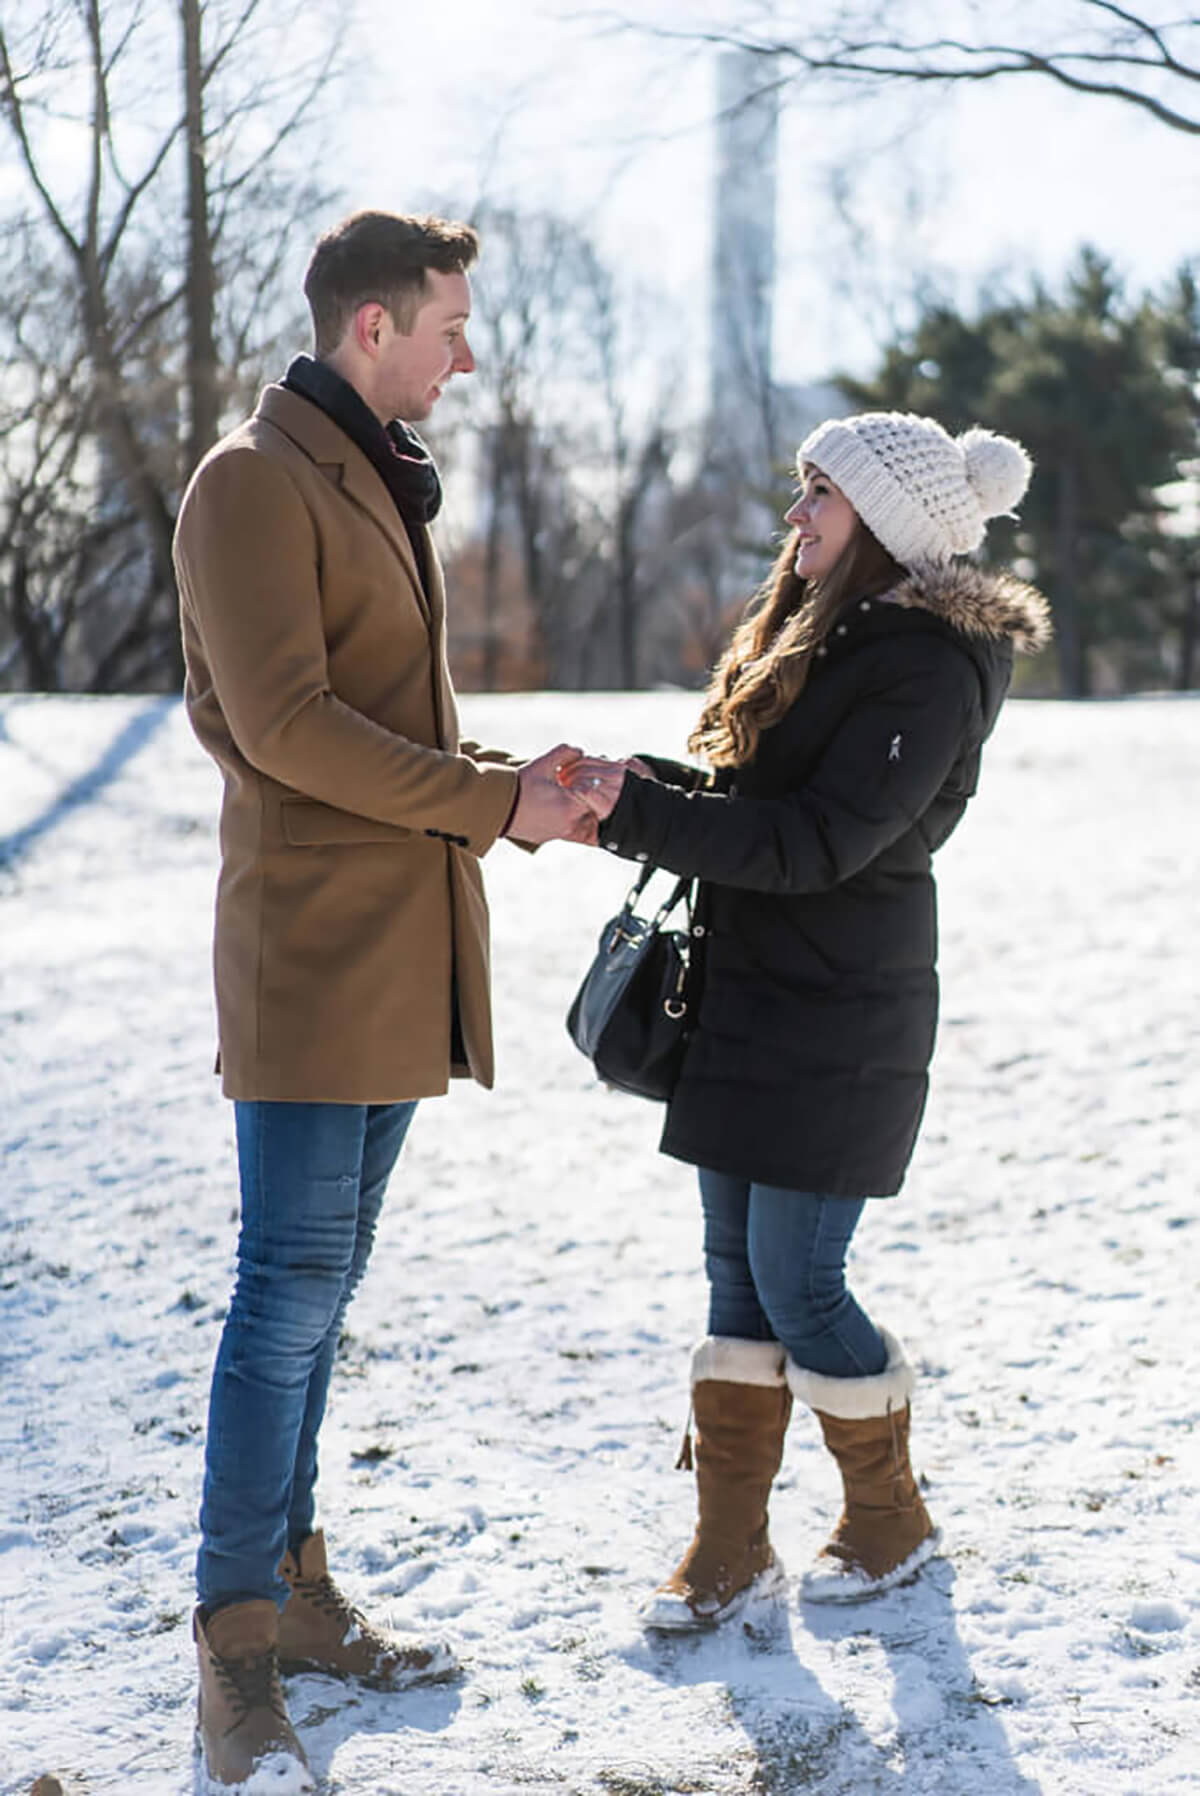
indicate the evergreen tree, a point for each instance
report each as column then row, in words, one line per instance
column 1084, row 381
column 1177, row 321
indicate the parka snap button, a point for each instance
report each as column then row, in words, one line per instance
column 698, row 929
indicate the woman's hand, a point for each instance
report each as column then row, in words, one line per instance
column 596, row 781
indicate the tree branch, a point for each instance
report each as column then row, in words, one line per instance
column 884, row 59
column 11, row 104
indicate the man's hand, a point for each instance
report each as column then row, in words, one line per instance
column 546, row 811
column 597, row 782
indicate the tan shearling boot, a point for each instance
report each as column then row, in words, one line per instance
column 321, row 1630
column 741, row 1405
column 241, row 1717
column 884, row 1534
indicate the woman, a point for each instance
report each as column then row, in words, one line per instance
column 843, row 726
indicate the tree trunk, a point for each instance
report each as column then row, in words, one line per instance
column 40, row 655
column 1189, row 631
column 203, row 403
column 493, row 544
column 531, row 502
column 626, row 585
column 116, row 429
column 1072, row 656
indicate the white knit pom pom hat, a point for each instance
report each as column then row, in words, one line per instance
column 925, row 494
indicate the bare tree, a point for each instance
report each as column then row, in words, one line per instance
column 571, row 410
column 1102, row 49
column 60, row 552
column 635, row 451
column 525, row 405
column 162, row 268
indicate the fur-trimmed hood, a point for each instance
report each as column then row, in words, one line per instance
column 979, row 602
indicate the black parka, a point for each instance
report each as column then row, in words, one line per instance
column 808, row 1063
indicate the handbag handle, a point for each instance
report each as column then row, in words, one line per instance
column 683, row 884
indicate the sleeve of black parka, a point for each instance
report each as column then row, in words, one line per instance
column 881, row 769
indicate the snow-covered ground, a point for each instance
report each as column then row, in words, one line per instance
column 497, row 1462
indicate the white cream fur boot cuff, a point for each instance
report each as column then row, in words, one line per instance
column 854, row 1399
column 735, row 1361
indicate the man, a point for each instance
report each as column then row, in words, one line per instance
column 351, row 947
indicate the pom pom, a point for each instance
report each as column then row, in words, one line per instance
column 998, row 470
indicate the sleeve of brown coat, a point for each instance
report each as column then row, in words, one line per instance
column 246, row 557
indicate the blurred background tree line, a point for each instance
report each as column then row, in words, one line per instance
column 159, row 166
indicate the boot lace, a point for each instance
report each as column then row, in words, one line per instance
column 324, row 1594
column 251, row 1683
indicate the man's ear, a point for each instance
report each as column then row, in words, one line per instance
column 369, row 333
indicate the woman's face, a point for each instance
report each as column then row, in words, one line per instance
column 824, row 521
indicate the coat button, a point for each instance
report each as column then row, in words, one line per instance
column 822, row 650
column 641, row 857
column 698, row 929
column 611, row 846
column 865, row 605
column 841, row 629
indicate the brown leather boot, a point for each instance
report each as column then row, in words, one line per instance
column 884, row 1534
column 241, row 1716
column 741, row 1404
column 321, row 1630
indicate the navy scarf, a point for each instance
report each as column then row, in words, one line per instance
column 397, row 453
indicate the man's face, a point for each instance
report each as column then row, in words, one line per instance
column 411, row 371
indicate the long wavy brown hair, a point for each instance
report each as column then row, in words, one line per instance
column 764, row 668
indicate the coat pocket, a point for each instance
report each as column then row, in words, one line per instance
column 307, row 824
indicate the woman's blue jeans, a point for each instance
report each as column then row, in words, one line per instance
column 776, row 1262
column 313, row 1178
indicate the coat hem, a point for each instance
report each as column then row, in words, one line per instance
column 785, row 1178
column 252, row 1092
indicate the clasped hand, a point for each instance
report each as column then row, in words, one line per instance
column 566, row 794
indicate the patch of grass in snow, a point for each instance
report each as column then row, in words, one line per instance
column 625, row 1783
column 790, row 1758
column 371, row 1454
column 977, row 1697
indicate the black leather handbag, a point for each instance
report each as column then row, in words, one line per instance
column 632, row 1014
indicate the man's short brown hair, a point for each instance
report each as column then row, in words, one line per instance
column 380, row 258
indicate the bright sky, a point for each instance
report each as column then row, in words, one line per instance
column 540, row 106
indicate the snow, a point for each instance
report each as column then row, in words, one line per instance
column 497, row 1460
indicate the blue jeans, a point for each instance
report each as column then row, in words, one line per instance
column 776, row 1262
column 313, row 1178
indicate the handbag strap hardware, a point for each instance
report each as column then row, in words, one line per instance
column 676, row 1004
column 683, row 884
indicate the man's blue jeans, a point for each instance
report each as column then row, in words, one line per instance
column 313, row 1178
column 776, row 1262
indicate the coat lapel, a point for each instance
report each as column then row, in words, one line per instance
column 443, row 691
column 346, row 467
